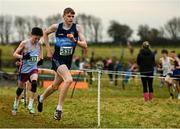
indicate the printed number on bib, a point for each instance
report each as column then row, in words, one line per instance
column 65, row 51
column 34, row 59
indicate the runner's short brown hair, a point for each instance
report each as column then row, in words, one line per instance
column 68, row 10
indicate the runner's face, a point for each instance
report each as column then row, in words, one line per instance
column 68, row 18
column 173, row 55
column 164, row 54
column 35, row 38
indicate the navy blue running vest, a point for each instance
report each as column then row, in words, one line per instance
column 64, row 47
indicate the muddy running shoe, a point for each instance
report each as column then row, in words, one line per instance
column 171, row 96
column 31, row 110
column 14, row 109
column 57, row 115
column 40, row 105
column 179, row 96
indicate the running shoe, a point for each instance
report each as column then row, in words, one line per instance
column 40, row 105
column 57, row 115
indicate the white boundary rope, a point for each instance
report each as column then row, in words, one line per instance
column 130, row 74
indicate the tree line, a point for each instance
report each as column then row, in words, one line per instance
column 168, row 34
column 16, row 28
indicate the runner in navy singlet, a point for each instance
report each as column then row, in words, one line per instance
column 68, row 35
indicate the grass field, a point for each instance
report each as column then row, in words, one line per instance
column 119, row 108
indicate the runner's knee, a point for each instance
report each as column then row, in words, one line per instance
column 166, row 79
column 33, row 86
column 68, row 80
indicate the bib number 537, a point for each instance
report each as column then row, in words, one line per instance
column 65, row 51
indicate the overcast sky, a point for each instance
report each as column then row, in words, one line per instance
column 155, row 13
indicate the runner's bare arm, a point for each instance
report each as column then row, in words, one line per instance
column 50, row 30
column 41, row 52
column 20, row 48
column 171, row 59
column 82, row 42
column 159, row 68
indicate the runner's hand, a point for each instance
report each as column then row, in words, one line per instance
column 71, row 37
column 26, row 56
column 40, row 62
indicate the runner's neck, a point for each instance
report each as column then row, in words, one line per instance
column 66, row 26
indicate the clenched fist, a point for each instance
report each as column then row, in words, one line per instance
column 71, row 37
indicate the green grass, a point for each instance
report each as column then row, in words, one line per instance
column 119, row 109
column 7, row 51
column 8, row 69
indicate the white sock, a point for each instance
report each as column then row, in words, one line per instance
column 41, row 98
column 59, row 107
column 30, row 103
column 16, row 102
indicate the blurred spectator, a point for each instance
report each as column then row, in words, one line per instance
column 99, row 63
column 110, row 67
column 146, row 63
column 118, row 68
column 82, row 63
column 91, row 66
column 92, row 61
column 131, row 49
column 130, row 69
column 105, row 64
column 75, row 63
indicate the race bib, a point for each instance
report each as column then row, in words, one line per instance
column 33, row 59
column 65, row 51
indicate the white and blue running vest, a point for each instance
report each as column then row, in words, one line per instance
column 31, row 64
column 166, row 66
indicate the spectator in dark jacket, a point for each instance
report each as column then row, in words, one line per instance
column 110, row 67
column 146, row 62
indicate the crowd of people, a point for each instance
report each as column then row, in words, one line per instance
column 166, row 69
